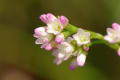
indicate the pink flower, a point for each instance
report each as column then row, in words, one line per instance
column 113, row 34
column 63, row 20
column 59, row 38
column 54, row 25
column 119, row 52
column 86, row 48
column 81, row 59
column 48, row 18
column 73, row 65
column 82, row 37
column 42, row 36
column 63, row 51
column 49, row 46
column 116, row 26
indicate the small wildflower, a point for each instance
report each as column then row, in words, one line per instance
column 86, row 48
column 49, row 46
column 42, row 36
column 82, row 37
column 63, row 52
column 73, row 65
column 113, row 34
column 63, row 20
column 59, row 38
column 54, row 25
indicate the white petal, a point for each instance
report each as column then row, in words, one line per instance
column 110, row 31
column 81, row 59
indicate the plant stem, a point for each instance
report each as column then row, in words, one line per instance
column 97, row 38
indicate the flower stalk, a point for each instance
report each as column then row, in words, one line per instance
column 66, row 40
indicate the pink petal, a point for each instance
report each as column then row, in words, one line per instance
column 119, row 52
column 51, row 17
column 73, row 65
column 115, row 26
column 49, row 47
column 86, row 48
column 59, row 38
column 63, row 20
column 43, row 18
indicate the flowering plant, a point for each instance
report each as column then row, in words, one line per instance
column 66, row 40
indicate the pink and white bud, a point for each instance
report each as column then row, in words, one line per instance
column 73, row 65
column 49, row 47
column 119, row 52
column 51, row 17
column 59, row 38
column 86, row 48
column 113, row 35
column 44, row 19
column 47, row 18
column 63, row 20
column 39, row 31
column 81, row 59
column 115, row 26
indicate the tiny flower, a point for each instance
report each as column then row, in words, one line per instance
column 86, row 48
column 54, row 25
column 63, row 20
column 73, row 65
column 59, row 38
column 116, row 26
column 81, row 59
column 82, row 37
column 48, row 18
column 42, row 36
column 63, row 52
column 49, row 46
column 119, row 52
column 113, row 34
column 39, row 31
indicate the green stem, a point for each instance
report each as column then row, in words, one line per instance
column 114, row 46
column 99, row 37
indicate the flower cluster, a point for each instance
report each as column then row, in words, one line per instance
column 113, row 35
column 45, row 35
column 66, row 40
column 51, row 37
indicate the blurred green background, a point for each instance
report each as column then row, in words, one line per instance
column 18, row 19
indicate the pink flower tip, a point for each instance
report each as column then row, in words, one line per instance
column 59, row 38
column 47, row 18
column 36, row 31
column 72, row 67
column 43, row 18
column 86, row 48
column 63, row 20
column 115, row 26
column 49, row 47
column 39, row 30
column 119, row 52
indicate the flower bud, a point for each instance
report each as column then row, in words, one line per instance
column 119, row 52
column 81, row 59
column 63, row 20
column 59, row 38
column 115, row 26
column 49, row 47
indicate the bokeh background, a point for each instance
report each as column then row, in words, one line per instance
column 21, row 59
